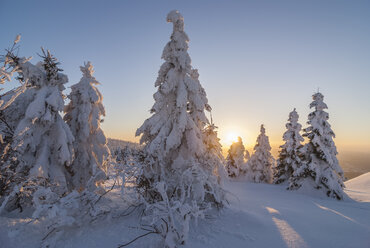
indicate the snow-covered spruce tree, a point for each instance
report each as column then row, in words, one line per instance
column 247, row 156
column 42, row 140
column 83, row 116
column 177, row 182
column 15, row 103
column 290, row 156
column 320, row 169
column 260, row 165
column 235, row 158
column 214, row 148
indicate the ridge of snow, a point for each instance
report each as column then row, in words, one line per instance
column 359, row 187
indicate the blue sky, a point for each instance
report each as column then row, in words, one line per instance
column 257, row 59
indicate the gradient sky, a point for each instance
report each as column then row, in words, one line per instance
column 257, row 59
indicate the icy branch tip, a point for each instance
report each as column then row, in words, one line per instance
column 17, row 39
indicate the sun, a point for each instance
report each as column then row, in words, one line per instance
column 231, row 137
column 230, row 134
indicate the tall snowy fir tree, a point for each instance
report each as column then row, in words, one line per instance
column 235, row 158
column 260, row 165
column 321, row 169
column 42, row 140
column 290, row 155
column 179, row 175
column 84, row 115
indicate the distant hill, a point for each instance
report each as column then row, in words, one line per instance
column 113, row 144
column 354, row 163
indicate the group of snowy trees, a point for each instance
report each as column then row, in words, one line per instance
column 258, row 167
column 54, row 163
column 40, row 148
column 312, row 165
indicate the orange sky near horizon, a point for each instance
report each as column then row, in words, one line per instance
column 249, row 139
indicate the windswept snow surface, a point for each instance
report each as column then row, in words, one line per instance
column 259, row 215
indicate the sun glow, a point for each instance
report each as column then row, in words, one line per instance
column 231, row 137
column 229, row 134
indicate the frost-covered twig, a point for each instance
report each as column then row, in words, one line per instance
column 106, row 192
column 18, row 91
column 12, row 64
column 141, row 236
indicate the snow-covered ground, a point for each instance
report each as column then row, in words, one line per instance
column 259, row 215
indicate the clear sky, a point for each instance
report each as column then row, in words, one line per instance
column 257, row 59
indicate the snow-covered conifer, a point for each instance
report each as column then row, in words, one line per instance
column 235, row 158
column 247, row 156
column 83, row 116
column 16, row 111
column 260, row 165
column 321, row 168
column 214, row 151
column 42, row 139
column 290, row 156
column 178, row 178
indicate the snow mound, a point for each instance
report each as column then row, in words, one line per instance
column 359, row 187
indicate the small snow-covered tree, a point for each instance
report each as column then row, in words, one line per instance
column 247, row 156
column 83, row 116
column 260, row 165
column 177, row 182
column 290, row 156
column 42, row 140
column 235, row 158
column 321, row 168
column 214, row 151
